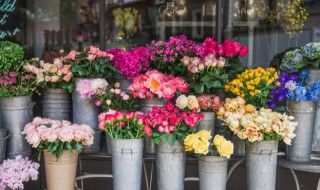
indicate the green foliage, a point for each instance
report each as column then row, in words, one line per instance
column 11, row 55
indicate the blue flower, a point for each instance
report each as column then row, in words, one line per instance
column 303, row 74
column 300, row 93
column 290, row 95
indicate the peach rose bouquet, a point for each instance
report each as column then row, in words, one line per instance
column 200, row 142
column 51, row 75
column 202, row 103
column 154, row 83
column 56, row 136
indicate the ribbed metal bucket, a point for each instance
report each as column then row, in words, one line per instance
column 212, row 172
column 146, row 105
column 239, row 146
column 56, row 104
column 124, row 82
column 304, row 113
column 314, row 76
column 16, row 112
column 261, row 165
column 208, row 122
column 3, row 143
column 127, row 155
column 171, row 161
column 86, row 113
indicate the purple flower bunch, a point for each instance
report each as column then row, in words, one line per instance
column 131, row 63
column 13, row 172
column 282, row 86
column 165, row 55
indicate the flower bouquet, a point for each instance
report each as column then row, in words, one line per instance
column 13, row 172
column 91, row 63
column 11, row 55
column 61, row 142
column 126, row 132
column 254, row 86
column 213, row 65
column 88, row 89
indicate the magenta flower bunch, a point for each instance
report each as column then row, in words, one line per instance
column 13, row 172
column 165, row 56
column 131, row 63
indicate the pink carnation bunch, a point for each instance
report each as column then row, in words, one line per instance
column 13, row 172
column 52, row 75
column 168, row 121
column 208, row 63
column 155, row 83
column 208, row 103
column 131, row 63
column 88, row 88
column 44, row 132
column 120, row 125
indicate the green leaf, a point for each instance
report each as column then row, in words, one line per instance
column 199, row 88
column 171, row 139
column 78, row 147
column 164, row 137
column 205, row 78
column 68, row 147
column 156, row 140
column 156, row 134
column 214, row 84
column 53, row 146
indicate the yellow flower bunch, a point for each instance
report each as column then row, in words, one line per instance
column 199, row 143
column 253, row 85
column 125, row 20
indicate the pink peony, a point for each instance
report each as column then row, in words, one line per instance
column 84, row 88
column 91, row 57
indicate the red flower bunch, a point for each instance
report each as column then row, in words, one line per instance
column 168, row 124
column 207, row 103
column 227, row 48
column 155, row 83
column 122, row 125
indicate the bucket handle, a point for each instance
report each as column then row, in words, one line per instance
column 287, row 109
column 174, row 151
column 127, row 150
column 30, row 107
column 267, row 152
column 2, row 140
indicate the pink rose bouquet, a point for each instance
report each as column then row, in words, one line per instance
column 122, row 125
column 116, row 99
column 56, row 136
column 131, row 63
column 155, row 83
column 13, row 172
column 51, row 75
column 89, row 88
column 168, row 124
column 213, row 65
column 91, row 63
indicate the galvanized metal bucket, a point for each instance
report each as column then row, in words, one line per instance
column 239, row 146
column 171, row 161
column 261, row 165
column 127, row 155
column 16, row 112
column 212, row 172
column 314, row 76
column 208, row 122
column 109, row 147
column 124, row 82
column 85, row 112
column 56, row 104
column 3, row 143
column 146, row 105
column 304, row 113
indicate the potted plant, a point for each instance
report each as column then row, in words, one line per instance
column 89, row 64
column 16, row 88
column 126, row 132
column 212, row 160
column 154, row 89
column 261, row 129
column 14, row 172
column 60, row 142
column 168, row 128
column 56, row 79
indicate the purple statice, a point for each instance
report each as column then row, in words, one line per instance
column 13, row 172
column 282, row 86
column 131, row 63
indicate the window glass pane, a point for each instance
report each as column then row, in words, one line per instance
column 270, row 27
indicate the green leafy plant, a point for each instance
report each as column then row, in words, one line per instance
column 11, row 55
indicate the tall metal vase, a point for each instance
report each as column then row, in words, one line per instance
column 314, row 76
column 146, row 105
column 208, row 122
column 56, row 104
column 3, row 143
column 86, row 112
column 261, row 164
column 171, row 161
column 212, row 172
column 16, row 112
column 127, row 157
column 304, row 113
column 239, row 146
